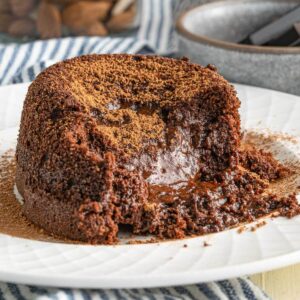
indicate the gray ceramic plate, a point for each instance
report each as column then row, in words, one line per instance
column 209, row 34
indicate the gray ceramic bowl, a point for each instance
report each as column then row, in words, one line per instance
column 208, row 34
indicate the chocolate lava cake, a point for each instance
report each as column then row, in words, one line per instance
column 144, row 141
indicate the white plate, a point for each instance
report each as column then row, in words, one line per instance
column 169, row 263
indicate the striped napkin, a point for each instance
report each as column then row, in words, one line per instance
column 155, row 34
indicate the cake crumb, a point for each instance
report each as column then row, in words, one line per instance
column 206, row 244
column 148, row 241
column 241, row 229
column 258, row 225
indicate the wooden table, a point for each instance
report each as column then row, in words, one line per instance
column 281, row 284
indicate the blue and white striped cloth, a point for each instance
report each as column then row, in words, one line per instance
column 21, row 63
column 235, row 289
column 155, row 34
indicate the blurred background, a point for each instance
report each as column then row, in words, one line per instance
column 206, row 31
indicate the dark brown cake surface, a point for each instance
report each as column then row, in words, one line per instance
column 141, row 140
